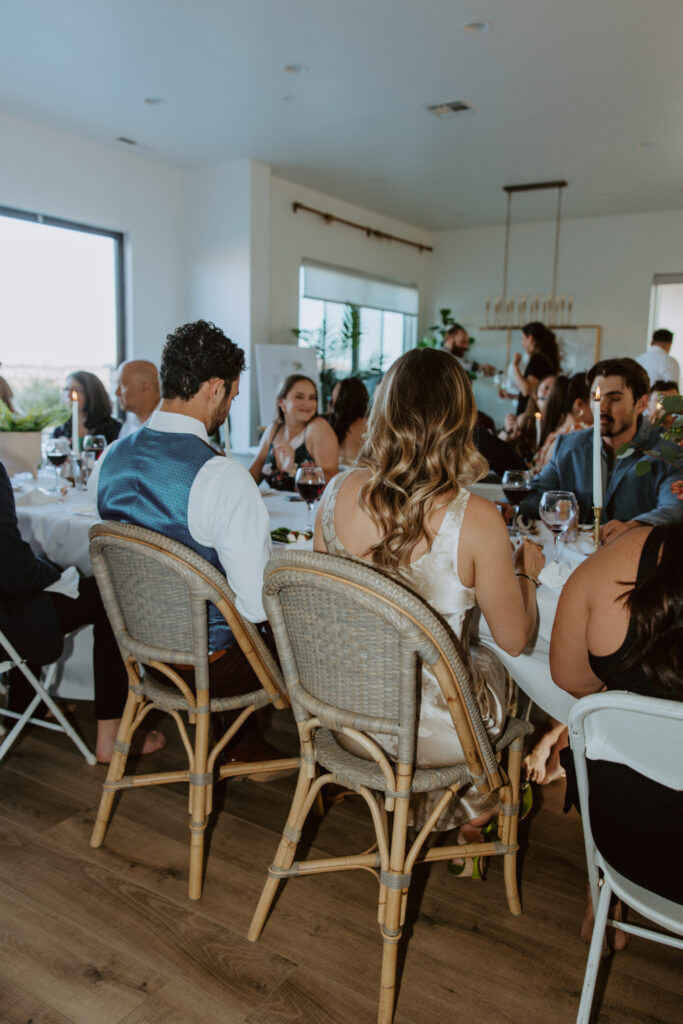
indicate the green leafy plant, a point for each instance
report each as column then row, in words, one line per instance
column 668, row 447
column 38, row 417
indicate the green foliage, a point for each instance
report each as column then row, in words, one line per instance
column 328, row 345
column 668, row 448
column 38, row 417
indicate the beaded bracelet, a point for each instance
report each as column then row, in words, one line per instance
column 527, row 577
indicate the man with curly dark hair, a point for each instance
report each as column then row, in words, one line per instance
column 168, row 478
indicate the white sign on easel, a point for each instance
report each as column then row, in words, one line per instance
column 273, row 364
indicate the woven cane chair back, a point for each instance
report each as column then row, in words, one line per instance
column 156, row 592
column 351, row 641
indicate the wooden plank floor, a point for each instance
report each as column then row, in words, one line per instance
column 108, row 936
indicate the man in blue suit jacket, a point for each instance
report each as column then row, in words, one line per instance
column 628, row 499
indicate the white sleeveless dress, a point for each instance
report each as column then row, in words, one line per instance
column 435, row 577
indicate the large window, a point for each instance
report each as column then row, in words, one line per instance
column 61, row 303
column 666, row 310
column 359, row 324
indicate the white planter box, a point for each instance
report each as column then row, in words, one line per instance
column 20, row 451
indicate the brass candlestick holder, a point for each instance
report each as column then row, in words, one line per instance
column 597, row 512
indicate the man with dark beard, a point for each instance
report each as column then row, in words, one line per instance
column 629, row 499
column 166, row 477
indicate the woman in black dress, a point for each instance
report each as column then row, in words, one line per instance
column 540, row 344
column 619, row 626
column 298, row 435
column 94, row 407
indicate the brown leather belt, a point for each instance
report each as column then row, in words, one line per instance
column 214, row 656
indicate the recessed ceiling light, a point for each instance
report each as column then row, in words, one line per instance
column 449, row 109
column 128, row 142
column 296, row 69
column 477, row 26
column 153, row 101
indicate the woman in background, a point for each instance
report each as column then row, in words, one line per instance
column 521, row 431
column 298, row 435
column 540, row 344
column 406, row 511
column 567, row 408
column 347, row 415
column 94, row 407
column 7, row 395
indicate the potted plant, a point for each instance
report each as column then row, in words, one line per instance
column 20, row 435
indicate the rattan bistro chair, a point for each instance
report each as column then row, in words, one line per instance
column 646, row 734
column 155, row 592
column 350, row 642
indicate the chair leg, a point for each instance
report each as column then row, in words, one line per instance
column 199, row 802
column 594, row 955
column 391, row 936
column 117, row 767
column 284, row 855
column 509, row 834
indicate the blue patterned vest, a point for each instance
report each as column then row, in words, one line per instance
column 146, row 480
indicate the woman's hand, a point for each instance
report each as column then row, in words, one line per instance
column 284, row 456
column 516, row 359
column 528, row 558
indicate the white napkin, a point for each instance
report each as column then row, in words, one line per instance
column 67, row 584
column 554, row 575
column 37, row 497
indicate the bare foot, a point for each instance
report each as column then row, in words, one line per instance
column 616, row 939
column 542, row 764
column 143, row 742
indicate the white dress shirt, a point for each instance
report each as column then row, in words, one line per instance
column 659, row 365
column 225, row 511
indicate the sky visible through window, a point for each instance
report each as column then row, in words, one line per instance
column 57, row 304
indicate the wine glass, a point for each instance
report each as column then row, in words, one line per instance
column 310, row 483
column 516, row 485
column 558, row 509
column 57, row 452
column 94, row 443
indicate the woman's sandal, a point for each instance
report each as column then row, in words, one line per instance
column 475, row 867
column 471, row 867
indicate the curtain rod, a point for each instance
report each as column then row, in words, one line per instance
column 329, row 218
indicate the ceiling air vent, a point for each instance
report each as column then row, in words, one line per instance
column 451, row 109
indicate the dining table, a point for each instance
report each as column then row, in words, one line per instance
column 57, row 525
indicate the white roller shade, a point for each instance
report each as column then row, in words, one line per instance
column 335, row 284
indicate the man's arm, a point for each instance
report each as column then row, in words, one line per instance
column 669, row 509
column 226, row 512
column 22, row 573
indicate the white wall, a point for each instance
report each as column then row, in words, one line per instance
column 606, row 263
column 298, row 236
column 60, row 175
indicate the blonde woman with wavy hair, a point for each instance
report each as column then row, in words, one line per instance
column 406, row 510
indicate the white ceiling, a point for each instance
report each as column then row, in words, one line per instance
column 563, row 90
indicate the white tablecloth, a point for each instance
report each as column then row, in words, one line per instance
column 59, row 529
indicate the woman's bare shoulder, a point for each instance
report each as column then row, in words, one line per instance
column 320, row 428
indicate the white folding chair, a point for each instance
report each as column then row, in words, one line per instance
column 43, row 692
column 646, row 734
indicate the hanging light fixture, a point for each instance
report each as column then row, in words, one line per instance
column 506, row 312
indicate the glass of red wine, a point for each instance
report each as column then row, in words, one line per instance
column 310, row 483
column 516, row 485
column 57, row 452
column 94, row 443
column 558, row 510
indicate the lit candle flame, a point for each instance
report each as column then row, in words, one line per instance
column 74, row 396
column 597, row 393
column 537, row 415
